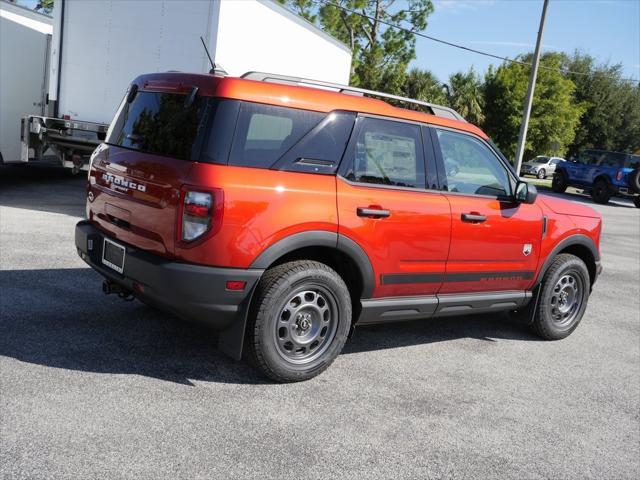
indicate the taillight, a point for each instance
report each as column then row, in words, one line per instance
column 196, row 215
column 200, row 214
column 619, row 175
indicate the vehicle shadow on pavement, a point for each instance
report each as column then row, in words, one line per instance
column 44, row 187
column 60, row 318
column 486, row 327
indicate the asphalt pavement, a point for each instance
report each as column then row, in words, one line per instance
column 95, row 387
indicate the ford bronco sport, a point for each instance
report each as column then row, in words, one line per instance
column 286, row 212
column 604, row 174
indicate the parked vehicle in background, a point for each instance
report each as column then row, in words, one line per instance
column 540, row 166
column 602, row 173
column 98, row 47
column 286, row 215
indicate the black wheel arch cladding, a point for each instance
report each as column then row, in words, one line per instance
column 321, row 238
column 578, row 245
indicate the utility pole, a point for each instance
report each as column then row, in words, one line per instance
column 522, row 137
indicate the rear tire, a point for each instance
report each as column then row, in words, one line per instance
column 542, row 174
column 636, row 201
column 559, row 182
column 300, row 320
column 634, row 180
column 600, row 192
column 563, row 298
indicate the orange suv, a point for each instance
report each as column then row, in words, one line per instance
column 286, row 212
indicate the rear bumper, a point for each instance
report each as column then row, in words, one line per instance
column 192, row 292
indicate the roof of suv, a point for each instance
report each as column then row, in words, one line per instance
column 296, row 96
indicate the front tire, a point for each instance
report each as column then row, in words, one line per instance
column 300, row 320
column 559, row 182
column 600, row 192
column 563, row 298
column 542, row 174
column 636, row 201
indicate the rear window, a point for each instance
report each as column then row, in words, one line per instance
column 161, row 123
column 265, row 132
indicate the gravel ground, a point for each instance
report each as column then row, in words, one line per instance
column 94, row 387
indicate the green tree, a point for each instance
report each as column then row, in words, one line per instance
column 380, row 54
column 611, row 119
column 465, row 95
column 46, row 6
column 554, row 115
column 423, row 85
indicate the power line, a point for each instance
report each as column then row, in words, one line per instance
column 462, row 47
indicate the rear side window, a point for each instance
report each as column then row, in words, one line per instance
column 320, row 151
column 633, row 161
column 388, row 153
column 265, row 132
column 161, row 123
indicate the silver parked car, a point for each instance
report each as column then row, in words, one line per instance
column 540, row 166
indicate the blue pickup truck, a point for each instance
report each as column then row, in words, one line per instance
column 604, row 174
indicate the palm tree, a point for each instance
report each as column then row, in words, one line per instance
column 465, row 95
column 423, row 85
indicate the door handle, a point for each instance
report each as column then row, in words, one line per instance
column 473, row 217
column 373, row 212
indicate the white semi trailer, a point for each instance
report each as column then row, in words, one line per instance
column 25, row 36
column 98, row 47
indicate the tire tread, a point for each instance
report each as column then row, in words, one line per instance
column 539, row 324
column 268, row 285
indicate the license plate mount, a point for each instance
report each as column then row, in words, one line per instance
column 113, row 255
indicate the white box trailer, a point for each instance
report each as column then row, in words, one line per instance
column 24, row 47
column 98, row 47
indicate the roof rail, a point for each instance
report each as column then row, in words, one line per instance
column 437, row 110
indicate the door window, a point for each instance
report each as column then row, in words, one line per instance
column 612, row 159
column 589, row 157
column 388, row 153
column 470, row 167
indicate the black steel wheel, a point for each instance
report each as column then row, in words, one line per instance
column 563, row 298
column 600, row 192
column 559, row 182
column 300, row 320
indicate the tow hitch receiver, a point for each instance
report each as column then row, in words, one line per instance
column 109, row 287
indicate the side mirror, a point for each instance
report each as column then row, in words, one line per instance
column 525, row 193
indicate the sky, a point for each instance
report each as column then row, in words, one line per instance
column 609, row 30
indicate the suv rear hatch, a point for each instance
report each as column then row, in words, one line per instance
column 137, row 174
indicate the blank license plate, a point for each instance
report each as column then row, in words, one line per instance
column 113, row 255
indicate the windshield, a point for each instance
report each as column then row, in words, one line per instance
column 541, row 160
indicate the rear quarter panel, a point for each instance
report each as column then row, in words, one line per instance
column 261, row 207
